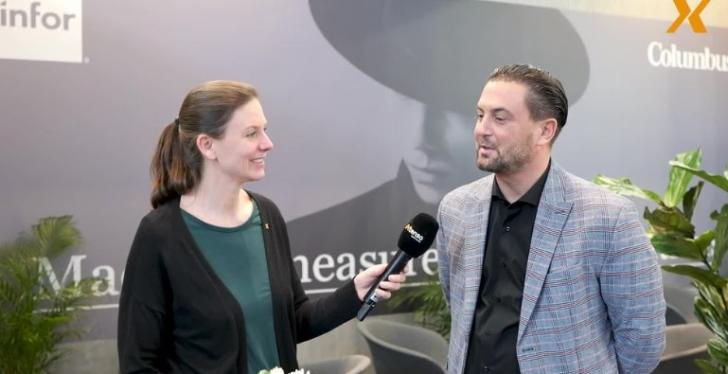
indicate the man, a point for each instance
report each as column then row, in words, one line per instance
column 544, row 272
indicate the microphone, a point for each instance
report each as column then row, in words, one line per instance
column 415, row 239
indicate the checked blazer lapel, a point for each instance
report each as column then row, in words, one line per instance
column 551, row 217
column 473, row 249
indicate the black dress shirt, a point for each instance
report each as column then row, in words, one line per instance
column 492, row 347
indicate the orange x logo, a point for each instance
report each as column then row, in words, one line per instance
column 694, row 18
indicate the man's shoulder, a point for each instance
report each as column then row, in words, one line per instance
column 468, row 195
column 471, row 191
column 584, row 193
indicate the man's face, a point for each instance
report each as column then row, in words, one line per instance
column 441, row 157
column 505, row 134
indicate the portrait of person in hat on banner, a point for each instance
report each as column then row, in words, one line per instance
column 437, row 53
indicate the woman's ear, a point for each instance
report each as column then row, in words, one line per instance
column 206, row 147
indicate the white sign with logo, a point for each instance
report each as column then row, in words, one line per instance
column 46, row 30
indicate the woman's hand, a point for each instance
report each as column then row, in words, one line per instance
column 366, row 279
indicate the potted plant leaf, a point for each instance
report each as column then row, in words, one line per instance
column 35, row 316
column 428, row 303
column 673, row 233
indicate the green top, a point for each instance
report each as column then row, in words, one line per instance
column 237, row 255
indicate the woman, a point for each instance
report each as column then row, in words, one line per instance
column 210, row 285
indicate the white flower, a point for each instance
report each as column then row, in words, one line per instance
column 277, row 370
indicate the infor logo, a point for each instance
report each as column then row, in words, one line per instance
column 41, row 30
column 33, row 17
column 693, row 18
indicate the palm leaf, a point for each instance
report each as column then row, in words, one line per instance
column 690, row 200
column 431, row 309
column 703, row 241
column 673, row 245
column 56, row 234
column 34, row 318
column 670, row 220
column 721, row 236
column 680, row 178
column 720, row 181
column 701, row 276
column 625, row 187
column 708, row 367
column 718, row 349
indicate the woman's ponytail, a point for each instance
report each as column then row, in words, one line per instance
column 170, row 175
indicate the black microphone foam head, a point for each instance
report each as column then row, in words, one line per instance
column 418, row 235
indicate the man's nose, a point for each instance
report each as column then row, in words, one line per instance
column 483, row 127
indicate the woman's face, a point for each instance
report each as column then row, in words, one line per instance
column 244, row 144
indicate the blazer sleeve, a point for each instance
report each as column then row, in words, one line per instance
column 631, row 286
column 143, row 324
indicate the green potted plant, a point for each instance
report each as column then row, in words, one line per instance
column 672, row 232
column 429, row 305
column 35, row 317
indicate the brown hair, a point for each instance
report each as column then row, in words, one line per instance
column 546, row 96
column 177, row 163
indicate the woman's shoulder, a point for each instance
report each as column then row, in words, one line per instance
column 160, row 220
column 162, row 213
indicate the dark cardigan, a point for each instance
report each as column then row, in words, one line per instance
column 176, row 315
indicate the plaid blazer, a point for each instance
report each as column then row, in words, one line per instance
column 592, row 297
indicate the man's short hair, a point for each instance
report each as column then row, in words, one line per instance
column 546, row 97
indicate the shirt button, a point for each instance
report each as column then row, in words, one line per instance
column 507, row 228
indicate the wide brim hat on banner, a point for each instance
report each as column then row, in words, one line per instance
column 440, row 52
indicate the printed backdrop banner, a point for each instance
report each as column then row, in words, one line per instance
column 370, row 106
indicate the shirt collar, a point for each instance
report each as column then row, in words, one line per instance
column 533, row 196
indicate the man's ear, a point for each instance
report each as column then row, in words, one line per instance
column 548, row 131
